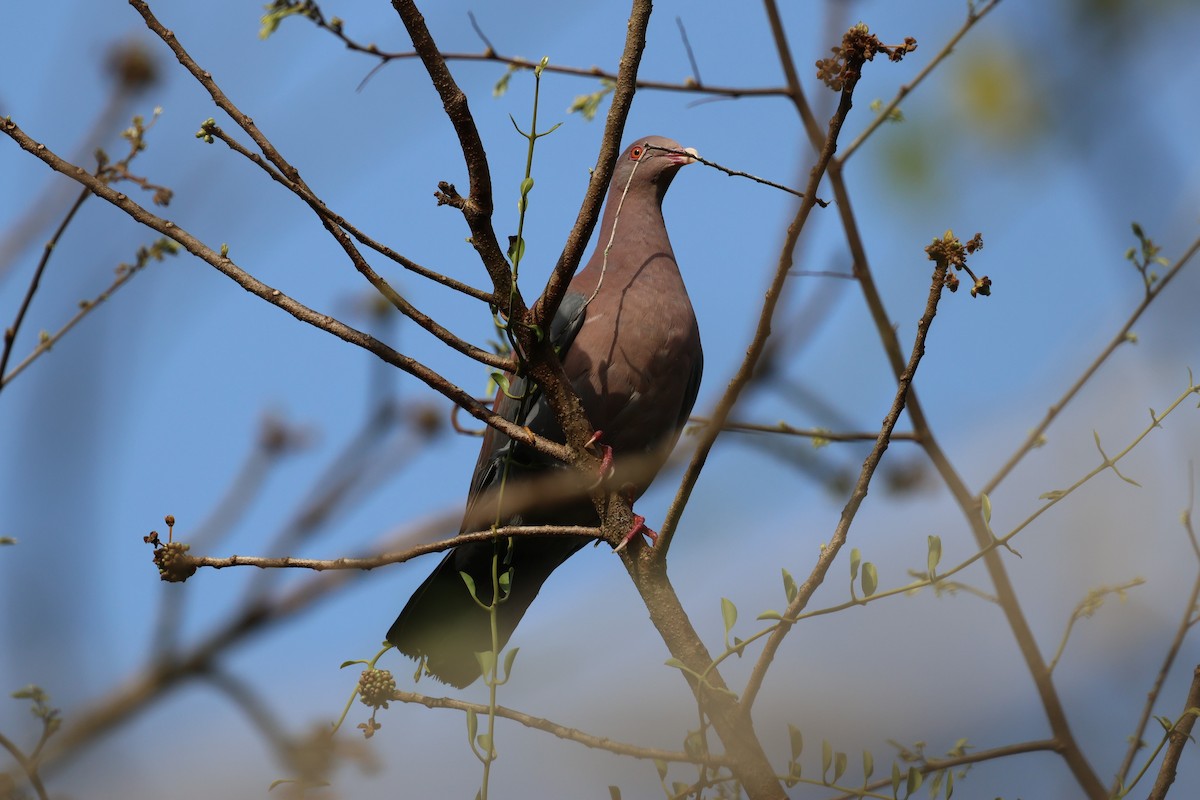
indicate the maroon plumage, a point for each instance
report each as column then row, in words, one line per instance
column 630, row 347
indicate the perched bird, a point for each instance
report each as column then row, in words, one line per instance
column 629, row 343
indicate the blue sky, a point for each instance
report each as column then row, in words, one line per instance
column 1052, row 127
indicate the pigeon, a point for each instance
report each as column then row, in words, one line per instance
column 630, row 346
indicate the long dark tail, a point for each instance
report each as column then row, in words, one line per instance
column 444, row 624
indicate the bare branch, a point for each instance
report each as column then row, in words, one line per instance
column 10, row 333
column 830, row 551
column 277, row 298
column 1179, row 736
column 373, row 562
column 562, row 731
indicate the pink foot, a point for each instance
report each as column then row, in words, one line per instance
column 639, row 527
column 606, row 456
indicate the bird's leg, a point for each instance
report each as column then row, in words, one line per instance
column 606, row 472
column 639, row 525
column 606, row 457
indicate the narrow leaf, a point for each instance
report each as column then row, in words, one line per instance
column 855, row 560
column 870, row 579
column 914, row 780
column 472, row 725
column 935, row 554
column 868, row 765
column 509, row 658
column 470, row 582
column 728, row 613
column 789, row 586
column 985, row 504
column 487, row 662
column 661, row 766
column 826, row 759
column 614, row 793
column 797, row 740
column 839, row 766
column 770, row 615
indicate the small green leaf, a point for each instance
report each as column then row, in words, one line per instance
column 509, row 658
column 797, row 741
column 895, row 779
column 855, row 560
column 485, row 744
column 614, row 793
column 8, row 540
column 935, row 554
column 985, row 506
column 775, row 615
column 516, row 248
column 728, row 613
column 526, row 187
column 949, row 784
column 472, row 725
column 470, row 582
column 502, row 85
column 826, row 759
column 487, row 661
column 789, row 586
column 914, row 780
column 693, row 744
column 868, row 765
column 870, row 579
column 348, row 663
column 661, row 766
column 676, row 663
column 839, row 766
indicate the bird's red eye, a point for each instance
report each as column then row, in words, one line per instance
column 635, row 153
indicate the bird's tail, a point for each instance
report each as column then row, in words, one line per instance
column 444, row 624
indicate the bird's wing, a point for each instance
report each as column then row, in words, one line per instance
column 525, row 404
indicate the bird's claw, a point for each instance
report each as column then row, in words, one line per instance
column 606, row 458
column 639, row 527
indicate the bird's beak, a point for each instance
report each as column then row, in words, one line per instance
column 683, row 160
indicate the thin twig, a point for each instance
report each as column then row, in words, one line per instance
column 562, row 731
column 10, row 333
column 327, row 213
column 1136, row 740
column 688, row 47
column 809, row 433
column 27, row 765
column 86, row 307
column 300, row 188
column 938, row 764
column 1178, row 736
column 762, row 330
column 974, row 14
column 382, row 560
column 277, row 298
column 870, row 464
column 1121, row 337
column 968, row 503
column 490, row 55
column 734, row 173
